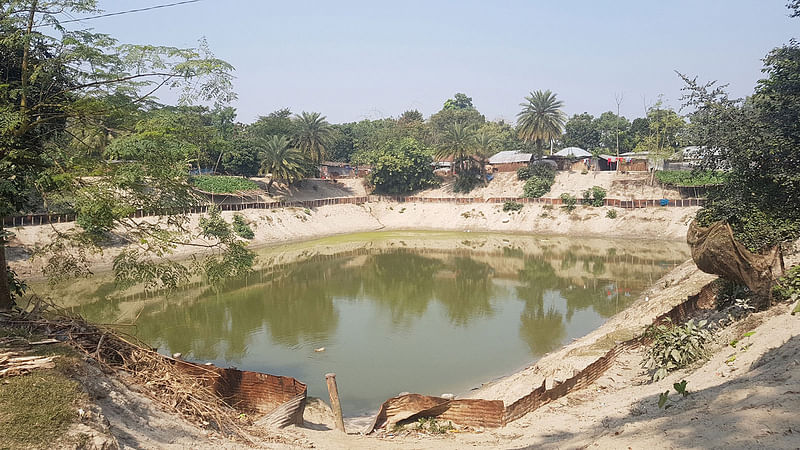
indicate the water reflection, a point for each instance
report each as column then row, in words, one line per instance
column 381, row 313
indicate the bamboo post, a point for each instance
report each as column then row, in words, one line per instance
column 330, row 378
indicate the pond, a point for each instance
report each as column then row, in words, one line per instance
column 419, row 312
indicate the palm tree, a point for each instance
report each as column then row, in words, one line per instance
column 541, row 119
column 282, row 161
column 485, row 144
column 459, row 143
column 314, row 135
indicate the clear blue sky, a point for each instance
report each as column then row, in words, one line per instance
column 352, row 60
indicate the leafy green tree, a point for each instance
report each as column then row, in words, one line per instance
column 757, row 140
column 485, row 146
column 276, row 123
column 666, row 128
column 409, row 117
column 614, row 130
column 459, row 101
column 541, row 119
column 313, row 135
column 581, row 130
column 282, row 161
column 402, row 166
column 458, row 143
column 69, row 79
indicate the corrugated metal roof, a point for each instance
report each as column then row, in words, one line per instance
column 573, row 152
column 510, row 156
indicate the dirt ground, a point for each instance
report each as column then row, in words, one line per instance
column 623, row 186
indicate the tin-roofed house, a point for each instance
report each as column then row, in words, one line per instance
column 510, row 161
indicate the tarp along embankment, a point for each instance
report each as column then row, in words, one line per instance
column 493, row 413
column 715, row 250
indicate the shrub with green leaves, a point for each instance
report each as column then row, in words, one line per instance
column 611, row 214
column 544, row 171
column 536, row 187
column 512, row 206
column 594, row 196
column 219, row 184
column 466, row 181
column 675, row 346
column 788, row 286
column 569, row 202
column 523, row 173
column 691, row 178
column 241, row 228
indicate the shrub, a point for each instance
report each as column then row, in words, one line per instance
column 788, row 286
column 512, row 206
column 536, row 187
column 690, row 178
column 569, row 202
column 523, row 173
column 402, row 166
column 675, row 346
column 545, row 171
column 611, row 213
column 219, row 184
column 466, row 181
column 595, row 196
column 241, row 228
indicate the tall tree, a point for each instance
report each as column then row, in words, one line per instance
column 541, row 120
column 459, row 101
column 581, row 130
column 485, row 146
column 50, row 83
column 313, row 135
column 282, row 161
column 458, row 143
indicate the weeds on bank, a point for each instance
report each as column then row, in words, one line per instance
column 675, row 346
column 432, row 426
column 512, row 206
column 663, row 398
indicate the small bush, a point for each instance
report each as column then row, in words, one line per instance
column 220, row 184
column 545, row 171
column 512, row 206
column 611, row 213
column 788, row 286
column 241, row 228
column 523, row 173
column 536, row 187
column 595, row 196
column 466, row 182
column 569, row 202
column 675, row 346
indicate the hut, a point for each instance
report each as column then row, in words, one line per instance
column 571, row 158
column 510, row 160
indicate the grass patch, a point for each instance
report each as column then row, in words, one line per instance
column 36, row 409
column 220, row 184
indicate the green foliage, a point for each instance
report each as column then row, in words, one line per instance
column 680, row 388
column 523, row 173
column 219, row 184
column 611, row 214
column 242, row 228
column 594, row 196
column 432, row 426
column 568, row 202
column 788, row 286
column 283, row 162
column 690, row 178
column 756, row 140
column 544, row 171
column 675, row 346
column 16, row 285
column 402, row 166
column 536, row 187
column 467, row 180
column 541, row 119
column 581, row 131
column 459, row 101
column 512, row 206
column 314, row 135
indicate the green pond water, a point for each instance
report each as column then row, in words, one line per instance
column 430, row 313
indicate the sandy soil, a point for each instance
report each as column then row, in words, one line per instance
column 278, row 226
column 624, row 186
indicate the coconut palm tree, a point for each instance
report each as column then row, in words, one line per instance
column 541, row 119
column 485, row 147
column 282, row 161
column 314, row 135
column 459, row 143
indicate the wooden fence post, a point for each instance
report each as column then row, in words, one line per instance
column 336, row 407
